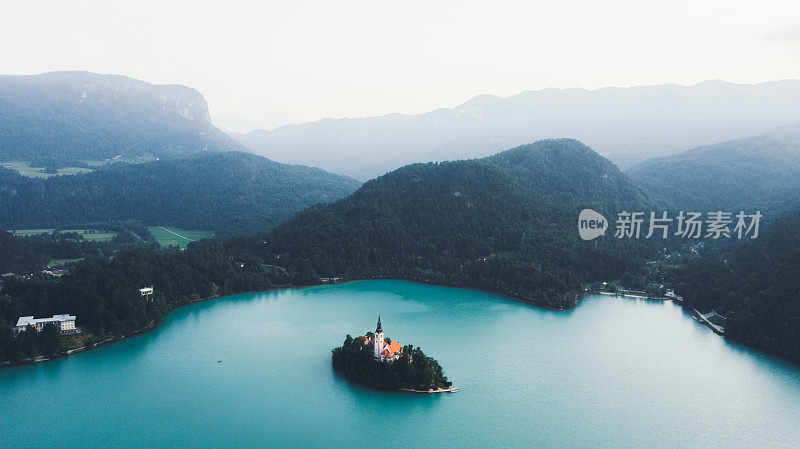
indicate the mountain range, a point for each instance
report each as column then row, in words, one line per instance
column 757, row 173
column 627, row 125
column 61, row 118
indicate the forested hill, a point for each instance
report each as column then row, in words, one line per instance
column 63, row 117
column 753, row 173
column 506, row 223
column 756, row 285
column 232, row 193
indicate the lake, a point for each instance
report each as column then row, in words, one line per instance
column 613, row 372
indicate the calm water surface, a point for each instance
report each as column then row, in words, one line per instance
column 611, row 373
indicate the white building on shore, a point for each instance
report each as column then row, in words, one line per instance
column 147, row 292
column 65, row 323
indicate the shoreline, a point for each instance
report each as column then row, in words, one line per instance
column 144, row 330
column 289, row 287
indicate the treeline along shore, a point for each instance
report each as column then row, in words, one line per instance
column 106, row 299
column 105, row 295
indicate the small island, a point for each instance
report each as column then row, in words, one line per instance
column 381, row 363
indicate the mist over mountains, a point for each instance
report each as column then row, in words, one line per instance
column 63, row 117
column 627, row 125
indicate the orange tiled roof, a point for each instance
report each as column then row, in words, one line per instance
column 394, row 346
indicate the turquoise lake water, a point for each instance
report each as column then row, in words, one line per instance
column 613, row 372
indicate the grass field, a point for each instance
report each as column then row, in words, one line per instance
column 29, row 232
column 92, row 235
column 171, row 236
column 57, row 262
column 25, row 169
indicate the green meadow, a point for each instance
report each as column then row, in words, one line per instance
column 59, row 262
column 91, row 235
column 172, row 236
column 25, row 169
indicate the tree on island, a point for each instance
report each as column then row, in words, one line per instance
column 413, row 369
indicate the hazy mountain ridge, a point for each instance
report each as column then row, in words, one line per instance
column 75, row 116
column 628, row 125
column 761, row 172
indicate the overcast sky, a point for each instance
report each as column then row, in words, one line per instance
column 269, row 63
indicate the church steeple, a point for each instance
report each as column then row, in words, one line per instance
column 378, row 343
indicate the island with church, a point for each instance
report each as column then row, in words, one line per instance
column 380, row 362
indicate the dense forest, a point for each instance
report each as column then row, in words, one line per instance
column 412, row 370
column 62, row 118
column 104, row 295
column 755, row 285
column 506, row 223
column 24, row 255
column 231, row 193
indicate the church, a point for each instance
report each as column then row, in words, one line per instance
column 385, row 352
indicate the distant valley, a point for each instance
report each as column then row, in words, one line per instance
column 83, row 148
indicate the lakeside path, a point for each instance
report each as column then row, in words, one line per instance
column 175, row 233
column 719, row 330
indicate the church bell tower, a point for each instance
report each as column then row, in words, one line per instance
column 378, row 339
